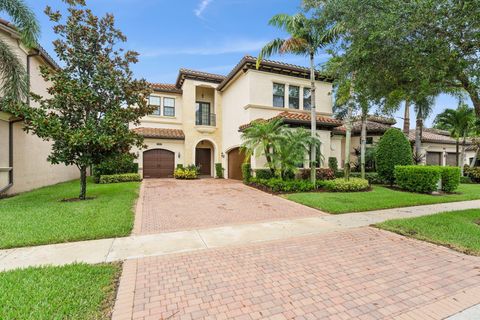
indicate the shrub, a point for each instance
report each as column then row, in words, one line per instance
column 117, row 164
column 473, row 173
column 393, row 150
column 343, row 185
column 219, row 170
column 450, row 178
column 277, row 185
column 466, row 180
column 246, row 172
column 422, row 179
column 322, row 174
column 263, row 174
column 187, row 173
column 333, row 163
column 116, row 178
column 372, row 177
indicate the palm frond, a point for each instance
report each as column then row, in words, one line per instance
column 24, row 20
column 271, row 48
column 13, row 75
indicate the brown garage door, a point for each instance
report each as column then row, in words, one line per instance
column 451, row 159
column 235, row 160
column 158, row 163
column 434, row 158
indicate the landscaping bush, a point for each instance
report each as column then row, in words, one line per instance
column 263, row 174
column 372, row 177
column 246, row 172
column 322, row 174
column 186, row 173
column 118, row 164
column 393, row 150
column 116, row 178
column 421, row 179
column 342, row 185
column 219, row 170
column 466, row 180
column 277, row 185
column 472, row 173
column 333, row 163
column 450, row 178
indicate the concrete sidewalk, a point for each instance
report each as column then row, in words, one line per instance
column 117, row 249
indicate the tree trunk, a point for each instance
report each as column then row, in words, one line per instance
column 348, row 134
column 472, row 92
column 406, row 118
column 313, row 120
column 462, row 157
column 474, row 161
column 418, row 136
column 457, row 154
column 83, row 183
column 363, row 145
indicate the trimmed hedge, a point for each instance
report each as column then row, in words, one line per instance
column 263, row 174
column 321, row 174
column 393, row 150
column 277, row 185
column 219, row 170
column 450, row 178
column 116, row 178
column 246, row 172
column 421, row 179
column 342, row 185
column 372, row 177
column 117, row 164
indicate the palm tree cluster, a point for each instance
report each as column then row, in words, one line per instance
column 284, row 148
column 13, row 76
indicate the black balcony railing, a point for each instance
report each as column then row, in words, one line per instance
column 205, row 119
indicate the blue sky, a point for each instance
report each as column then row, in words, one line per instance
column 207, row 35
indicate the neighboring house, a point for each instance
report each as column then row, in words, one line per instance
column 199, row 118
column 23, row 157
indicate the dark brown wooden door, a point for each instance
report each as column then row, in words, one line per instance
column 451, row 159
column 203, row 159
column 434, row 158
column 235, row 160
column 158, row 163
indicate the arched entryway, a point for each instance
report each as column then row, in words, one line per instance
column 158, row 163
column 236, row 158
column 204, row 154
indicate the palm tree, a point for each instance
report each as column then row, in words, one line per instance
column 292, row 149
column 263, row 138
column 12, row 72
column 459, row 123
column 307, row 37
column 423, row 108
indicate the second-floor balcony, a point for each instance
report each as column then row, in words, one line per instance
column 205, row 119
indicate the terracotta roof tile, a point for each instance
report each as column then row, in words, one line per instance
column 160, row 133
column 197, row 75
column 433, row 136
column 165, row 87
column 298, row 117
column 372, row 127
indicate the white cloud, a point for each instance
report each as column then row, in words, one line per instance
column 243, row 46
column 202, row 6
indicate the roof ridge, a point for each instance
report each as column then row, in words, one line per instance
column 199, row 71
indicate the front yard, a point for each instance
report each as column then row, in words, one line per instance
column 379, row 198
column 76, row 291
column 39, row 217
column 459, row 230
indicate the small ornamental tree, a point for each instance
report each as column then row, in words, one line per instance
column 393, row 149
column 93, row 95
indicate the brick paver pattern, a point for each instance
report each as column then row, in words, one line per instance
column 362, row 273
column 172, row 205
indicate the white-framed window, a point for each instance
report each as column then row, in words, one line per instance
column 307, row 99
column 294, row 97
column 279, row 95
column 156, row 102
column 169, row 107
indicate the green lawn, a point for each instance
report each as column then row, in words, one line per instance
column 378, row 198
column 459, row 230
column 39, row 217
column 77, row 291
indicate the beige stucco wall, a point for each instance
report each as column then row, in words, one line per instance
column 446, row 148
column 3, row 153
column 30, row 166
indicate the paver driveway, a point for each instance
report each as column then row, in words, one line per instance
column 362, row 273
column 171, row 205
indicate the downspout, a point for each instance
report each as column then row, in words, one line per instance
column 10, row 129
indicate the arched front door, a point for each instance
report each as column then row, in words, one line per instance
column 158, row 163
column 235, row 160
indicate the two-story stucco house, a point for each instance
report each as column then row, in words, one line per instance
column 23, row 157
column 199, row 119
